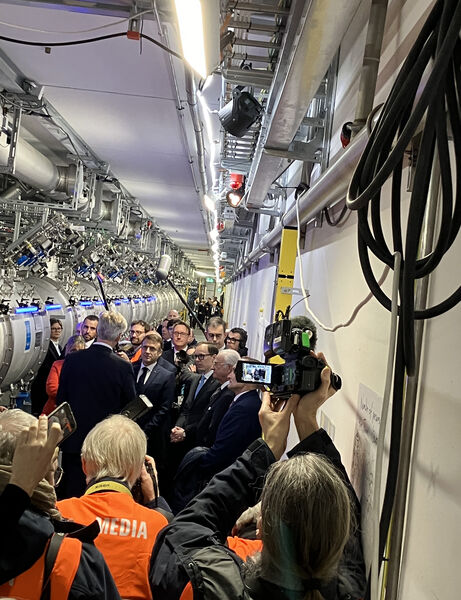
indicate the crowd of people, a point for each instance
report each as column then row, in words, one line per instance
column 142, row 507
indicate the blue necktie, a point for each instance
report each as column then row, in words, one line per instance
column 200, row 385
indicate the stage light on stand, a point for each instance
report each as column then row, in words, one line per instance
column 234, row 198
column 238, row 115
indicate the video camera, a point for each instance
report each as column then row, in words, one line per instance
column 299, row 374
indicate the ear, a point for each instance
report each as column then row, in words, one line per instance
column 85, row 470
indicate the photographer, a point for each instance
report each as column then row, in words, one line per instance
column 305, row 521
column 113, row 455
column 30, row 548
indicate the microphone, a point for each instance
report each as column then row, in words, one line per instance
column 163, row 267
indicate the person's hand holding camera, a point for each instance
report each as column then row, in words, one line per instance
column 147, row 481
column 275, row 424
column 34, row 452
column 305, row 412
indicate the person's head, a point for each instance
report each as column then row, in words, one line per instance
column 115, row 447
column 204, row 355
column 236, row 339
column 171, row 323
column 180, row 335
column 238, row 387
column 12, row 423
column 224, row 363
column 89, row 329
column 172, row 314
column 165, row 331
column 56, row 329
column 138, row 330
column 304, row 323
column 151, row 348
column 74, row 344
column 215, row 331
column 111, row 326
column 305, row 521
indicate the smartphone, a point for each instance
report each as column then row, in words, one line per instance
column 64, row 416
column 249, row 372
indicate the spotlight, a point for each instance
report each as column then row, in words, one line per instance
column 240, row 113
column 234, row 198
column 236, row 180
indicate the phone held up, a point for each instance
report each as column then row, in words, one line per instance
column 64, row 416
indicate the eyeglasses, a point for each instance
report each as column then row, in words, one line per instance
column 180, row 333
column 230, row 339
column 200, row 356
column 56, row 329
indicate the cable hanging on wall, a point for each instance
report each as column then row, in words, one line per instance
column 433, row 64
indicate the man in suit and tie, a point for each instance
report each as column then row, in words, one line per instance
column 238, row 429
column 38, row 393
column 96, row 383
column 201, row 387
column 224, row 363
column 158, row 384
column 180, row 336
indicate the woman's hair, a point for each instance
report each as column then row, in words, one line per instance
column 73, row 340
column 115, row 447
column 305, row 522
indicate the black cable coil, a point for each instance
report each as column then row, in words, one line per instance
column 437, row 50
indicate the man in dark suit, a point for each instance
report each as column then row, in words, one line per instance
column 224, row 363
column 158, row 384
column 38, row 393
column 238, row 429
column 96, row 383
column 201, row 386
column 180, row 333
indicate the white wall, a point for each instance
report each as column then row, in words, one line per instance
column 333, row 276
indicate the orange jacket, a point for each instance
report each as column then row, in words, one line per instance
column 28, row 585
column 128, row 534
column 136, row 356
column 242, row 547
column 52, row 384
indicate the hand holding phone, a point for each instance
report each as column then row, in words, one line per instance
column 64, row 416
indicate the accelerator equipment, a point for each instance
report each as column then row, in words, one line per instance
column 71, row 239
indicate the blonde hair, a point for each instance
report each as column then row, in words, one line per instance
column 306, row 520
column 111, row 324
column 12, row 422
column 115, row 447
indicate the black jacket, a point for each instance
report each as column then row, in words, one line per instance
column 209, row 518
column 193, row 407
column 212, row 417
column 96, row 383
column 25, row 534
column 38, row 393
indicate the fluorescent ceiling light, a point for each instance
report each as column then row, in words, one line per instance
column 201, row 273
column 199, row 30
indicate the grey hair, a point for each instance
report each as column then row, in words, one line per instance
column 74, row 339
column 12, row 422
column 115, row 447
column 231, row 357
column 111, row 325
column 306, row 521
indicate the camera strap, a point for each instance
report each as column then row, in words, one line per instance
column 107, row 485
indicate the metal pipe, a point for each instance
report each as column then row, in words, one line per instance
column 261, row 8
column 329, row 188
column 255, row 43
column 249, row 26
column 191, row 91
column 370, row 65
column 31, row 166
column 322, row 26
column 408, row 424
column 253, row 77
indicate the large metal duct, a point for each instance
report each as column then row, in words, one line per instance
column 35, row 169
column 323, row 25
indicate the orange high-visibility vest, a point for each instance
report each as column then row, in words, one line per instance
column 136, row 356
column 242, row 547
column 28, row 585
column 128, row 534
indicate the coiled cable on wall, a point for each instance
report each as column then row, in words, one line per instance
column 434, row 58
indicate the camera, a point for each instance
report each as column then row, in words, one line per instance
column 301, row 371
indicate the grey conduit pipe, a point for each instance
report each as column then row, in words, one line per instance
column 191, row 91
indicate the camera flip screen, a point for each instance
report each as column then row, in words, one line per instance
column 256, row 373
